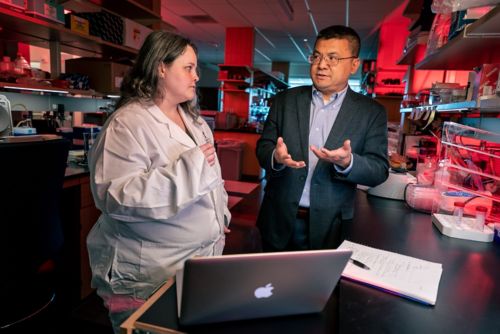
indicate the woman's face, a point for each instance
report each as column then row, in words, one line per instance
column 178, row 79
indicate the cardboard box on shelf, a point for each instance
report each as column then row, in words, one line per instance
column 487, row 79
column 104, row 76
column 105, row 25
column 19, row 5
column 46, row 10
column 76, row 23
column 134, row 33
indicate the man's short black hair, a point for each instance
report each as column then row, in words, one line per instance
column 342, row 32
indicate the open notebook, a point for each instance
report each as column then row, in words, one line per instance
column 395, row 273
column 246, row 286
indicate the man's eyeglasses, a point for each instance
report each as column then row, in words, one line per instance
column 331, row 60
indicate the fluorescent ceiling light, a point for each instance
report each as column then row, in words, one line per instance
column 311, row 17
column 347, row 13
column 287, row 8
column 306, row 43
column 297, row 46
column 264, row 36
column 262, row 54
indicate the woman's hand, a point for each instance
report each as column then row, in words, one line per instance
column 209, row 152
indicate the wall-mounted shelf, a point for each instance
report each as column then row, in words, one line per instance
column 233, row 81
column 479, row 43
column 246, row 90
column 260, row 75
column 401, row 86
column 262, row 90
column 235, row 90
column 23, row 28
column 410, row 56
column 42, row 98
column 256, row 74
column 491, row 104
column 45, row 90
column 405, row 110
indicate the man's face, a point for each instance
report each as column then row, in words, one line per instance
column 329, row 78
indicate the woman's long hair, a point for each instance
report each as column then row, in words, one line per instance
column 141, row 82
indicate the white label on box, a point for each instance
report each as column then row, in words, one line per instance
column 118, row 81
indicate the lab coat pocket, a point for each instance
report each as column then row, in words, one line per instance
column 124, row 271
column 160, row 261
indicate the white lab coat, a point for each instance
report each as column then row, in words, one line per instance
column 161, row 202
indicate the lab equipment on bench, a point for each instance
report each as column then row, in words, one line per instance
column 468, row 205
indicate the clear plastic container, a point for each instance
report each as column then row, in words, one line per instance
column 426, row 169
column 442, row 177
column 470, row 170
column 458, row 212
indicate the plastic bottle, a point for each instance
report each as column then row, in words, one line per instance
column 481, row 212
column 6, row 67
column 6, row 64
column 442, row 176
column 458, row 212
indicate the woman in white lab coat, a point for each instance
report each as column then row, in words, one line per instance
column 156, row 178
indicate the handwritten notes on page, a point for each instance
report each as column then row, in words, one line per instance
column 396, row 273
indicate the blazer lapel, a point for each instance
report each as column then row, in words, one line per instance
column 344, row 120
column 303, row 115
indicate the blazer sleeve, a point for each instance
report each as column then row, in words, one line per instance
column 370, row 164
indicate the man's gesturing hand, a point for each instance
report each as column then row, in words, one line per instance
column 341, row 156
column 281, row 156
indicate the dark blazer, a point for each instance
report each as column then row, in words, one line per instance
column 360, row 119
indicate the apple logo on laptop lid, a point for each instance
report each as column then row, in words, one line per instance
column 264, row 291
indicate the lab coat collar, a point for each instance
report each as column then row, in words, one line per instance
column 175, row 131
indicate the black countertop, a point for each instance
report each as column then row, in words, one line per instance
column 468, row 299
column 74, row 169
column 242, row 130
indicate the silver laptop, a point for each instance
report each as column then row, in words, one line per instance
column 246, row 286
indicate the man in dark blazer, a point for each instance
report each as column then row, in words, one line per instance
column 318, row 143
